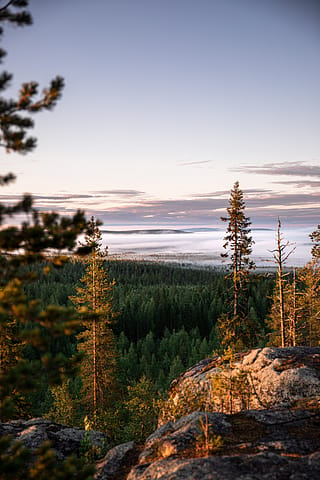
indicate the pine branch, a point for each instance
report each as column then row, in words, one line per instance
column 6, row 6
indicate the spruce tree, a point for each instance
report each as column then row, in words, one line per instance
column 140, row 410
column 93, row 300
column 234, row 327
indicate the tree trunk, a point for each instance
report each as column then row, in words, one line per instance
column 280, row 286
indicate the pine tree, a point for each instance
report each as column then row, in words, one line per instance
column 23, row 320
column 238, row 246
column 94, row 300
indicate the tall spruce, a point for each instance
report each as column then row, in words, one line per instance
column 235, row 326
column 22, row 320
column 238, row 246
column 94, row 300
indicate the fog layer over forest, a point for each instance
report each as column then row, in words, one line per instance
column 200, row 245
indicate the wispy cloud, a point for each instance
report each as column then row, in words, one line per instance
column 125, row 192
column 225, row 193
column 301, row 169
column 219, row 193
column 263, row 207
column 301, row 183
column 198, row 163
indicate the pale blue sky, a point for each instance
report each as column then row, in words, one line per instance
column 168, row 102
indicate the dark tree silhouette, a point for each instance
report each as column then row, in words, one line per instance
column 23, row 322
column 238, row 244
column 237, row 327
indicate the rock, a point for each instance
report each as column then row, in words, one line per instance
column 283, row 375
column 263, row 466
column 117, row 460
column 65, row 440
column 271, row 377
column 275, row 437
column 257, row 445
column 32, row 436
column 183, row 435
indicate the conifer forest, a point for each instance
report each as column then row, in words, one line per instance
column 94, row 342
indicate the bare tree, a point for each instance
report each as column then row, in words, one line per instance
column 281, row 255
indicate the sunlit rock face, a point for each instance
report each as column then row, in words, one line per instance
column 254, row 444
column 264, row 378
column 260, row 420
column 283, row 376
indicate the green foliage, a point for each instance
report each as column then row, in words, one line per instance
column 308, row 324
column 167, row 359
column 180, row 328
column 64, row 408
column 146, row 297
column 191, row 398
column 140, row 408
column 238, row 246
column 37, row 328
column 90, row 453
column 16, row 114
column 301, row 308
column 231, row 387
column 93, row 300
column 315, row 238
column 16, row 464
column 229, row 390
column 24, row 325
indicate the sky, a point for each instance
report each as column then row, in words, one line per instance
column 167, row 103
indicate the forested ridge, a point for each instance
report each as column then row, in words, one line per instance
column 165, row 314
column 166, row 318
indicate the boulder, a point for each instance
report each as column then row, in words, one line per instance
column 255, row 444
column 261, row 420
column 264, row 378
column 65, row 440
column 283, row 376
column 116, row 462
column 183, row 435
column 263, row 466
